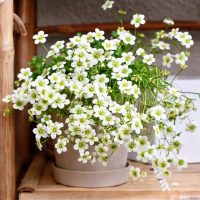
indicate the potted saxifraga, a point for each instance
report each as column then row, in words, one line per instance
column 95, row 96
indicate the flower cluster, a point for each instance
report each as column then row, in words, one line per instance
column 103, row 93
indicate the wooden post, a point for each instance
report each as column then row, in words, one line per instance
column 7, row 165
column 25, row 50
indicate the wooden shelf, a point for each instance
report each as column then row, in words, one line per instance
column 71, row 29
column 38, row 184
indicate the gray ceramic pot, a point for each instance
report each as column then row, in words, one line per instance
column 69, row 171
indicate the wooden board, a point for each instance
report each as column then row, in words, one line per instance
column 188, row 187
column 7, row 167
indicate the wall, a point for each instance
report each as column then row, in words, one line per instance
column 51, row 12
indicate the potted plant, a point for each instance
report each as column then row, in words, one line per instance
column 94, row 96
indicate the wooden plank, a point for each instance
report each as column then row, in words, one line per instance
column 7, row 166
column 148, row 188
column 71, row 29
column 31, row 180
column 25, row 50
column 95, row 195
column 187, row 180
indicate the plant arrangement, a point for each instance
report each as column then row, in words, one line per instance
column 93, row 91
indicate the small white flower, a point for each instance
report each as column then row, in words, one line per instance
column 98, row 34
column 168, row 21
column 137, row 20
column 61, row 145
column 128, row 57
column 40, row 37
column 181, row 163
column 40, row 131
column 101, row 150
column 140, row 52
column 158, row 113
column 148, row 59
column 128, row 38
column 135, row 173
column 167, row 60
column 24, row 74
column 191, row 126
column 84, row 157
column 163, row 45
column 136, row 125
column 132, row 146
column 80, row 145
column 53, row 129
column 107, row 5
column 181, row 58
column 135, row 91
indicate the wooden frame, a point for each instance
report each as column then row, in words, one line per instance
column 25, row 50
column 151, row 25
column 7, row 166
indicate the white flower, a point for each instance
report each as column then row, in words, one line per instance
column 40, row 131
column 148, row 59
column 132, row 146
column 167, row 60
column 187, row 42
column 7, row 99
column 158, row 112
column 140, row 52
column 135, row 173
column 97, row 55
column 157, row 130
column 24, row 74
column 128, row 38
column 98, row 34
column 101, row 150
column 181, row 163
column 59, row 65
column 135, row 91
column 191, row 126
column 58, row 45
column 168, row 21
column 61, row 145
column 163, row 45
column 60, row 101
column 107, row 5
column 137, row 20
column 181, row 58
column 115, row 64
column 19, row 103
column 40, row 37
column 136, row 125
column 80, row 145
column 109, row 45
column 173, row 91
column 84, row 157
column 53, row 129
column 128, row 57
column 101, row 79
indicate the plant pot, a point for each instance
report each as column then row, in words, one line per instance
column 69, row 171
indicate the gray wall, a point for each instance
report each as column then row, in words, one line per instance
column 52, row 12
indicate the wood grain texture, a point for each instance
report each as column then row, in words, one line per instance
column 31, row 180
column 25, row 50
column 7, row 167
column 19, row 26
column 71, row 29
column 149, row 188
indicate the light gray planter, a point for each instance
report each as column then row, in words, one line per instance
column 69, row 171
